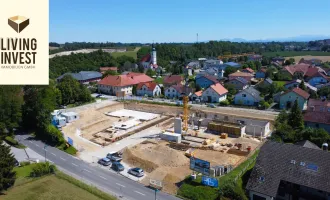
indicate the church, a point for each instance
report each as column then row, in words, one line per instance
column 150, row 60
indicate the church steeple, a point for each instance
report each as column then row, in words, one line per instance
column 153, row 54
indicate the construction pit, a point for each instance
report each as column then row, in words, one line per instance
column 135, row 129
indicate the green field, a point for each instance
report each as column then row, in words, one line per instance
column 55, row 187
column 127, row 53
column 296, row 53
column 48, row 187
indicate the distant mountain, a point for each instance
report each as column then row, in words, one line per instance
column 301, row 38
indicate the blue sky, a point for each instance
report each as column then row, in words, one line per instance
column 180, row 20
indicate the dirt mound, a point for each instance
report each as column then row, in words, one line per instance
column 160, row 154
column 129, row 157
column 170, row 181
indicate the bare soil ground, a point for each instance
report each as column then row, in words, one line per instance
column 163, row 163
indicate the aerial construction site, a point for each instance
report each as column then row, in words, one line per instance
column 161, row 139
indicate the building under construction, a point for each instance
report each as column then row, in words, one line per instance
column 218, row 127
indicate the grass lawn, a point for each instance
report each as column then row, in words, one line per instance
column 296, row 53
column 25, row 171
column 70, row 150
column 280, row 83
column 48, row 187
column 127, row 53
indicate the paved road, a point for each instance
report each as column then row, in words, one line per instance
column 105, row 180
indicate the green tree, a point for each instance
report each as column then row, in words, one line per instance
column 257, row 65
column 317, row 136
column 109, row 72
column 7, row 163
column 150, row 72
column 302, row 85
column 11, row 101
column 229, row 70
column 295, row 118
column 324, row 92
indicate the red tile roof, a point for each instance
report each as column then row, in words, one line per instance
column 103, row 69
column 248, row 69
column 240, row 74
column 317, row 117
column 151, row 86
column 173, row 79
column 263, row 70
column 178, row 88
column 318, row 105
column 125, row 80
column 199, row 93
column 297, row 68
column 218, row 88
column 146, row 58
column 298, row 91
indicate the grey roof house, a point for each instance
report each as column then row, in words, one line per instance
column 83, row 76
column 248, row 97
column 289, row 171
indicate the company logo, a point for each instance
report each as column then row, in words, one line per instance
column 18, row 23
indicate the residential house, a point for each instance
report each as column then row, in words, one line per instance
column 248, row 70
column 197, row 95
column 215, row 93
column 212, row 64
column 174, row 91
column 290, row 171
column 318, row 114
column 255, row 57
column 279, row 60
column 206, row 81
column 189, row 71
column 316, row 76
column 104, row 69
column 246, row 76
column 173, row 80
column 239, row 83
column 313, row 61
column 296, row 71
column 317, row 120
column 150, row 89
column 288, row 98
column 295, row 83
column 194, row 65
column 122, row 83
column 248, row 97
column 277, row 96
column 261, row 73
column 265, row 83
column 83, row 76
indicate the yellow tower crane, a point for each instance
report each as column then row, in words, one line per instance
column 185, row 103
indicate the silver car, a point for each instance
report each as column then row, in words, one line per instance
column 138, row 172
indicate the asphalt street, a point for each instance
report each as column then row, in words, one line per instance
column 104, row 179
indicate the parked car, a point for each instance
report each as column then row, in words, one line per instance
column 113, row 157
column 99, row 96
column 117, row 166
column 138, row 172
column 211, row 105
column 105, row 162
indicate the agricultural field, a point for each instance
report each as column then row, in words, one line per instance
column 323, row 58
column 127, row 53
column 296, row 53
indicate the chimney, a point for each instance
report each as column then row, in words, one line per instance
column 325, row 146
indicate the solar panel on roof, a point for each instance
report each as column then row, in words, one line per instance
column 312, row 167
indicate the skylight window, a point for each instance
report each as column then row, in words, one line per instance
column 302, row 164
column 262, row 179
column 293, row 162
column 312, row 167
